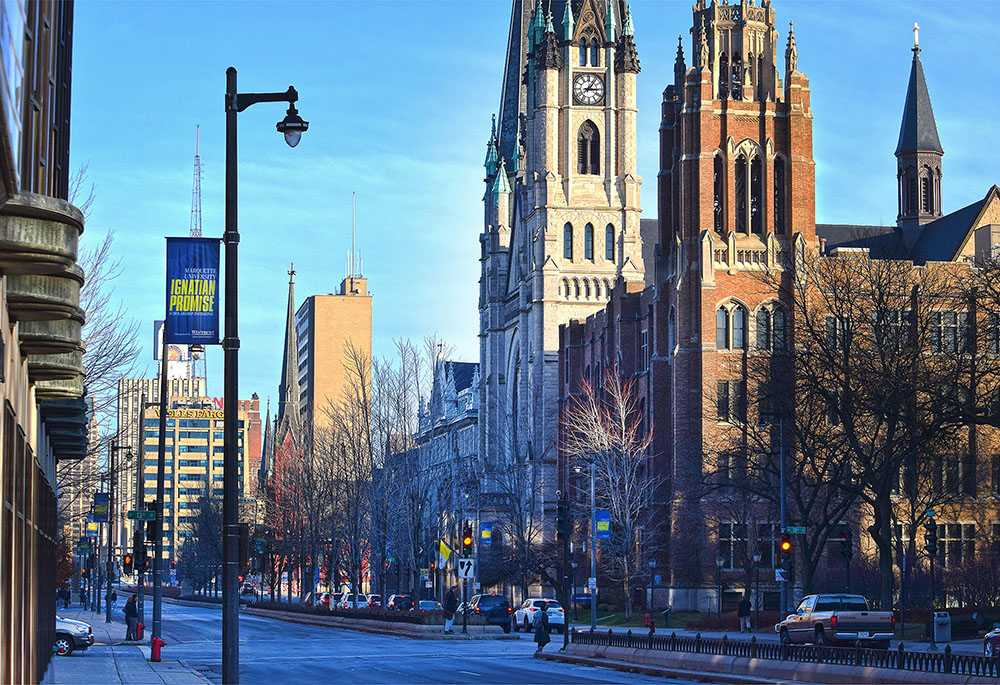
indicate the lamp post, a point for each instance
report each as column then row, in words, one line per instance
column 756, row 602
column 719, row 563
column 573, row 565
column 593, row 546
column 292, row 127
column 652, row 584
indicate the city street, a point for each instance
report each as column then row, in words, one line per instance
column 273, row 651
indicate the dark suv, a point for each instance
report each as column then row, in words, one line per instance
column 495, row 610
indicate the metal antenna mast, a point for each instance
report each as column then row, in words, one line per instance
column 196, row 190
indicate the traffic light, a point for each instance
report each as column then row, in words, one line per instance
column 240, row 578
column 467, row 542
column 847, row 543
column 244, row 546
column 173, row 564
column 930, row 537
column 786, row 548
column 562, row 519
column 431, row 566
column 85, row 572
column 127, row 565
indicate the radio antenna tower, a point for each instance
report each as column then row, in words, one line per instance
column 196, row 190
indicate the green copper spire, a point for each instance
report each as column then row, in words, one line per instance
column 568, row 22
column 549, row 28
column 500, row 183
column 537, row 24
column 491, row 150
column 609, row 21
column 628, row 29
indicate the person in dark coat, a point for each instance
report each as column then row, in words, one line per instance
column 542, row 628
column 131, row 618
column 450, row 607
column 743, row 611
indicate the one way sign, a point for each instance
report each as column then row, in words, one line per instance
column 781, row 575
column 466, row 568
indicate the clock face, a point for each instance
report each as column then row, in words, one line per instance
column 588, row 89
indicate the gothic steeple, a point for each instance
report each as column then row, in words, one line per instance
column 918, row 152
column 288, row 389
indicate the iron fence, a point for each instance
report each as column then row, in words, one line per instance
column 927, row 662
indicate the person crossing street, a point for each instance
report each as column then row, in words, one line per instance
column 450, row 607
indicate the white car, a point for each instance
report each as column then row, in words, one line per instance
column 347, row 601
column 524, row 617
column 72, row 635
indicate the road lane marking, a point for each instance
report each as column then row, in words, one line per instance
column 471, row 673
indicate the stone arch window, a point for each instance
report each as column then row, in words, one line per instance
column 736, row 82
column 568, row 241
column 586, row 289
column 740, row 193
column 576, row 289
column 908, row 192
column 588, row 242
column 723, row 76
column 722, row 328
column 595, row 54
column 597, row 289
column 772, row 328
column 780, row 334
column 586, row 373
column 588, row 150
column 609, row 242
column 756, row 196
column 927, row 203
column 565, row 287
column 763, row 329
column 760, row 77
column 583, row 52
column 731, row 327
column 607, row 289
column 719, row 192
column 779, row 194
column 739, row 327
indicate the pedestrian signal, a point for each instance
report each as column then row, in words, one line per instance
column 127, row 564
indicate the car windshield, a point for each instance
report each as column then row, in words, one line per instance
column 490, row 601
column 427, row 604
column 548, row 605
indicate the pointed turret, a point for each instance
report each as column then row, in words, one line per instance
column 491, row 151
column 610, row 24
column 548, row 54
column 918, row 152
column 679, row 68
column 288, row 389
column 267, row 452
column 568, row 23
column 626, row 56
column 500, row 183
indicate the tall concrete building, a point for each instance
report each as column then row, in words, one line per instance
column 325, row 327
column 41, row 352
column 561, row 214
column 79, row 482
column 194, row 459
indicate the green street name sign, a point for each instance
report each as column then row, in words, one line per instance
column 796, row 530
column 142, row 515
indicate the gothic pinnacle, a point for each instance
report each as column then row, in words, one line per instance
column 609, row 21
column 568, row 22
column 629, row 28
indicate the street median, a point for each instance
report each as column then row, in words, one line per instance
column 384, row 627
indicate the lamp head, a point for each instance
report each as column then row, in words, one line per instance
column 756, row 557
column 292, row 126
column 652, row 563
column 720, row 562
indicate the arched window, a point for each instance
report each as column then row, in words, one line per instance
column 588, row 242
column 583, row 52
column 910, row 191
column 779, row 195
column 586, row 289
column 739, row 328
column 740, row 191
column 597, row 289
column 737, row 78
column 607, row 289
column 780, row 329
column 595, row 54
column 719, row 186
column 609, row 242
column 568, row 241
column 723, row 76
column 763, row 329
column 927, row 191
column 586, row 372
column 565, row 288
column 576, row 288
column 756, row 192
column 760, row 77
column 721, row 328
column 588, row 150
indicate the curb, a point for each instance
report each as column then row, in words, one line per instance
column 329, row 623
column 625, row 667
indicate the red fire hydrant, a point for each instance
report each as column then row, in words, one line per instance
column 138, row 631
column 156, row 644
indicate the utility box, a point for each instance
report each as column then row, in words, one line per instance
column 942, row 626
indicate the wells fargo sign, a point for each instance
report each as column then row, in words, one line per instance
column 192, row 413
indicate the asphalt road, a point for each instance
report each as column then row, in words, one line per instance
column 276, row 652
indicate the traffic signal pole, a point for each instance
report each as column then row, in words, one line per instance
column 784, row 509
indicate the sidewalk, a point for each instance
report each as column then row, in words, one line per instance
column 112, row 660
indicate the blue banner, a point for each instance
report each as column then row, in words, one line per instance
column 100, row 507
column 486, row 533
column 192, row 291
column 603, row 524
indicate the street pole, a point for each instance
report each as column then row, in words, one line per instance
column 99, row 572
column 108, row 566
column 140, row 505
column 593, row 547
column 565, row 565
column 161, row 467
column 784, row 505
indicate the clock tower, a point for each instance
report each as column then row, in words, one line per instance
column 561, row 216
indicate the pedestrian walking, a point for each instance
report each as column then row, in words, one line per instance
column 650, row 623
column 450, row 607
column 83, row 597
column 131, row 618
column 542, row 627
column 743, row 611
column 114, row 598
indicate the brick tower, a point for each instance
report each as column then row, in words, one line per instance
column 736, row 193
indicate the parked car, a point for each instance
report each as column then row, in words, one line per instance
column 248, row 589
column 374, row 600
column 399, row 603
column 831, row 619
column 347, row 601
column 72, row 635
column 494, row 608
column 524, row 617
column 425, row 605
column 991, row 641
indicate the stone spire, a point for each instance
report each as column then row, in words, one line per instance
column 491, row 151
column 626, row 56
column 791, row 52
column 288, row 389
column 548, row 54
column 679, row 68
column 918, row 131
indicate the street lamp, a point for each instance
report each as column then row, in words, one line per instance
column 292, row 126
column 719, row 563
column 593, row 546
column 756, row 603
column 573, row 565
column 652, row 584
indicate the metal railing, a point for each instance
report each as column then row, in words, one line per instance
column 925, row 662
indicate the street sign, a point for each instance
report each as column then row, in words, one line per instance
column 930, row 513
column 780, row 575
column 603, row 524
column 466, row 568
column 581, row 597
column 796, row 530
column 141, row 515
column 592, row 583
column 657, row 579
column 428, row 584
column 425, row 574
column 261, row 546
column 93, row 527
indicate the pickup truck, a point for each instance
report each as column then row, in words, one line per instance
column 835, row 618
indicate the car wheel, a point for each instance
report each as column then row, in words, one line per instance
column 64, row 645
column 784, row 637
column 506, row 629
column 988, row 649
column 516, row 626
column 527, row 628
column 820, row 639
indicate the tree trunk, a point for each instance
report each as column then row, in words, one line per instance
column 881, row 531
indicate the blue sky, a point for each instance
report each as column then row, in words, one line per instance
column 399, row 96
